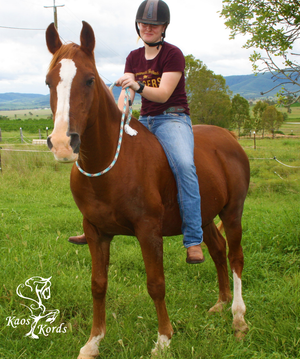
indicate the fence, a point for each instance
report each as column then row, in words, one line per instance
column 25, row 139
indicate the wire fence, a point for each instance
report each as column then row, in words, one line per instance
column 48, row 151
column 274, row 158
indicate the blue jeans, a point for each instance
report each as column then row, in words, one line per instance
column 175, row 134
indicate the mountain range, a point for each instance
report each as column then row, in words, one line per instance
column 248, row 86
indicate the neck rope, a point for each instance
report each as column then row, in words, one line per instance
column 129, row 130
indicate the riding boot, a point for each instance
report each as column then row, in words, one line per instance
column 78, row 239
column 195, row 255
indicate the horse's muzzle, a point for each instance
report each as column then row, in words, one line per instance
column 64, row 147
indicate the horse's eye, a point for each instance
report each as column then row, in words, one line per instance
column 90, row 82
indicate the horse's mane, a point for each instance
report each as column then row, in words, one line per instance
column 65, row 52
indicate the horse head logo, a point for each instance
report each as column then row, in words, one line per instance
column 39, row 290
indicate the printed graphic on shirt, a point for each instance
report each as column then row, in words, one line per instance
column 150, row 78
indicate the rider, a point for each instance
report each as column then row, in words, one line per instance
column 156, row 72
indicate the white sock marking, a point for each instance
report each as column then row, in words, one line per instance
column 162, row 342
column 238, row 305
column 91, row 348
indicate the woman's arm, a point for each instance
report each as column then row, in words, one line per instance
column 161, row 94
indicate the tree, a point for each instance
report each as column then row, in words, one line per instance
column 208, row 94
column 240, row 112
column 272, row 119
column 272, row 26
column 258, row 111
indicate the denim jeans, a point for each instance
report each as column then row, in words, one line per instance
column 175, row 134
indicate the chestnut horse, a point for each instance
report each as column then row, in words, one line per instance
column 138, row 195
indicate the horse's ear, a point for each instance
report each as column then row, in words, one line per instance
column 52, row 39
column 87, row 37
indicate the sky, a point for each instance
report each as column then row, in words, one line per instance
column 195, row 27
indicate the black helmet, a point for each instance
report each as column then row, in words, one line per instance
column 153, row 12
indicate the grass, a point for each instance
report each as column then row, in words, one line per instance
column 25, row 114
column 38, row 214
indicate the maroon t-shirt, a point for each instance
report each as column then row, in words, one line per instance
column 169, row 59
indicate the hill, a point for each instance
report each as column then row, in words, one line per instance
column 251, row 86
column 248, row 86
column 20, row 101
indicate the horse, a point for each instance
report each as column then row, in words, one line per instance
column 136, row 194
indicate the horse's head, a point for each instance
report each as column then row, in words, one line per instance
column 71, row 80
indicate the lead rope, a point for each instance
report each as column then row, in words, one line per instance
column 129, row 130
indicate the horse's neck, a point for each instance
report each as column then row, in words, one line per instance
column 99, row 141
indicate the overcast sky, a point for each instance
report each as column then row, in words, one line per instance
column 195, row 28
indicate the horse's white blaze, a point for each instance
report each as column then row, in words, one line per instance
column 67, row 73
column 238, row 305
column 91, row 348
column 60, row 140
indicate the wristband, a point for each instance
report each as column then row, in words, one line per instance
column 142, row 85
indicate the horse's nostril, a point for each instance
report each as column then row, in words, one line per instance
column 75, row 142
column 49, row 143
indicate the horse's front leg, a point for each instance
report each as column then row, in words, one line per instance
column 151, row 242
column 99, row 246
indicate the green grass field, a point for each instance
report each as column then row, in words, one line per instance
column 38, row 214
column 25, row 114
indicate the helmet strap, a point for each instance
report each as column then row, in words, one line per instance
column 155, row 43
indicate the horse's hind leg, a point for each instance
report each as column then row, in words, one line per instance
column 217, row 249
column 233, row 230
column 151, row 243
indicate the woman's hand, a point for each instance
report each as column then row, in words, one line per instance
column 127, row 80
column 161, row 94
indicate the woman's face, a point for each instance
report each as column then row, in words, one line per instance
column 151, row 33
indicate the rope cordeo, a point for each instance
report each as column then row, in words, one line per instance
column 130, row 131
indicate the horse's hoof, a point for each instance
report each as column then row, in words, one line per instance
column 241, row 333
column 218, row 307
column 240, row 328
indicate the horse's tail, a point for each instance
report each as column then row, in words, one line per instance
column 233, row 134
column 220, row 227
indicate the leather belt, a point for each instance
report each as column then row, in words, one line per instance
column 175, row 109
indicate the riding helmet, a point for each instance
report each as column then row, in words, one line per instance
column 153, row 12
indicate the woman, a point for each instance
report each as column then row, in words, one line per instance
column 156, row 72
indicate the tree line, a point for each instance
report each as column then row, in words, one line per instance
column 211, row 102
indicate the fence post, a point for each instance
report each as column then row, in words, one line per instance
column 0, row 135
column 21, row 134
column 0, row 160
column 40, row 136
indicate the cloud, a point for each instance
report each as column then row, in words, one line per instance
column 195, row 28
